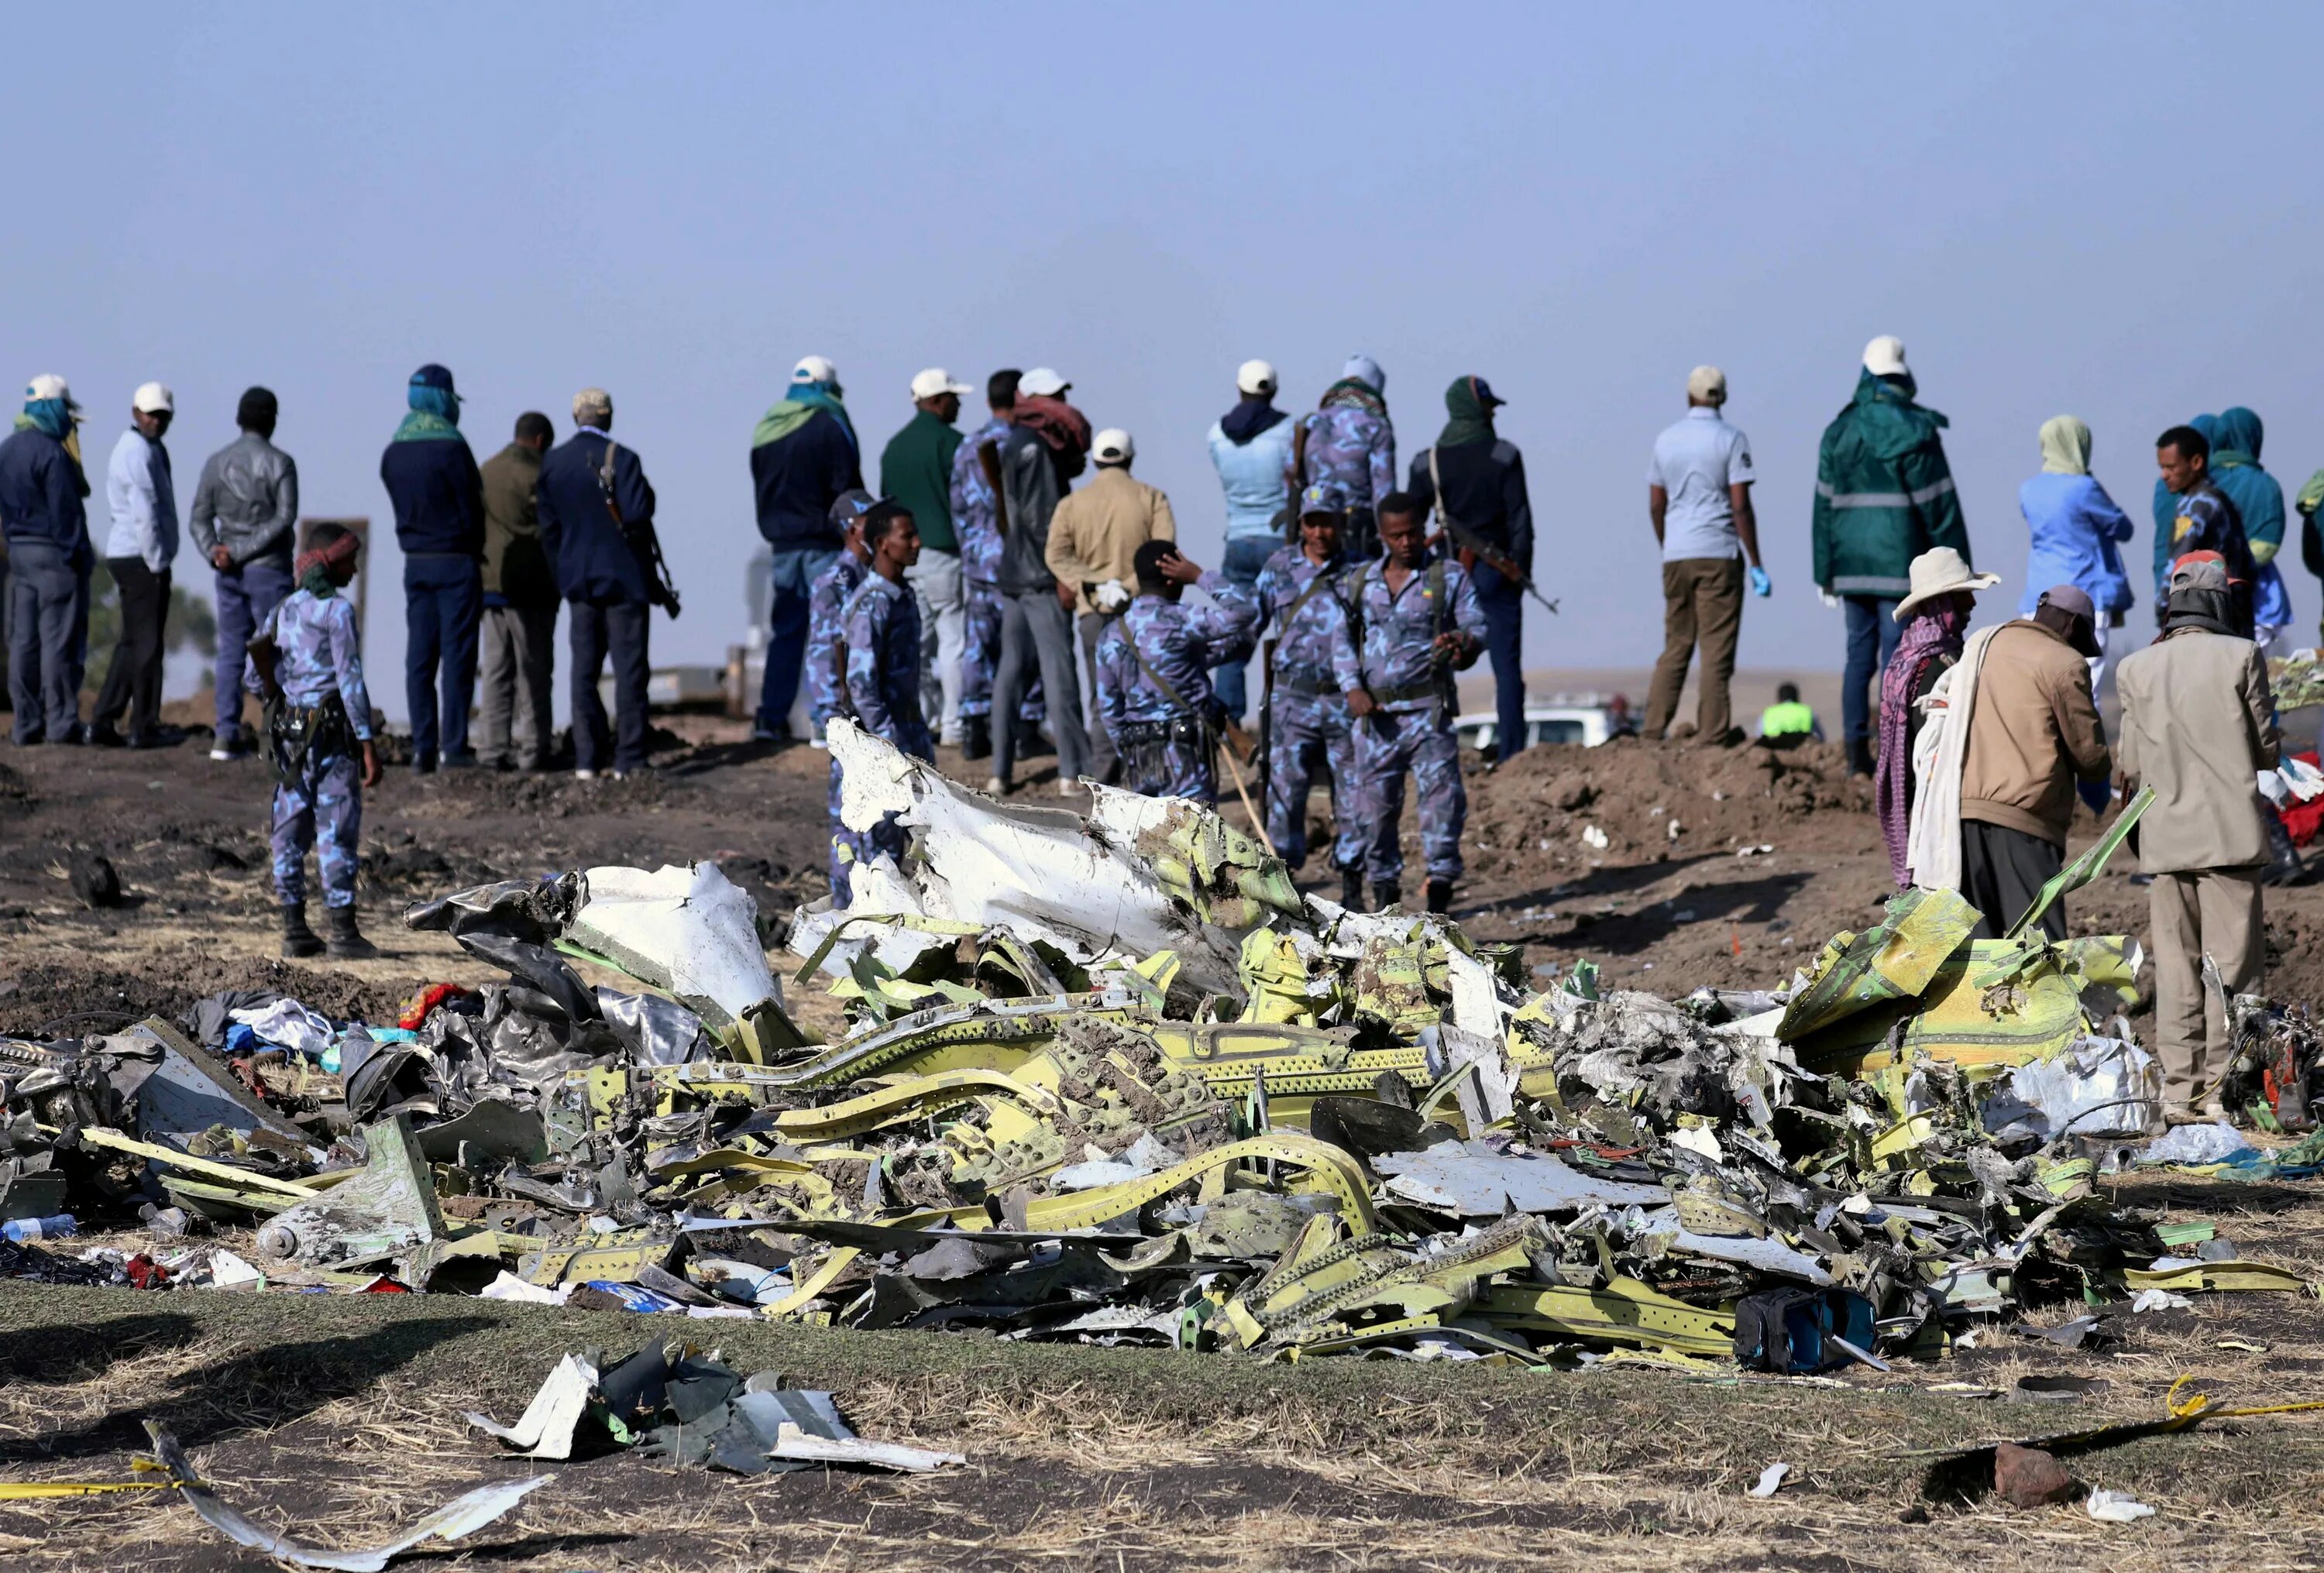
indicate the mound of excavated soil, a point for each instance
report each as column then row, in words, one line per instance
column 1651, row 798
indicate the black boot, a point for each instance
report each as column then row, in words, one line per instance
column 297, row 939
column 347, row 943
column 1860, row 757
column 975, row 736
column 1030, row 743
column 1385, row 893
column 1352, row 888
column 1440, row 895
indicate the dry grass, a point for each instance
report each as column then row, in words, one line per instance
column 339, row 1417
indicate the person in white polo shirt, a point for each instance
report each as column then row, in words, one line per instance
column 138, row 551
column 1699, row 497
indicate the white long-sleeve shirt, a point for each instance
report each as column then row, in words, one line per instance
column 143, row 501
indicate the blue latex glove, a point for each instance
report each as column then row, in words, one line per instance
column 1761, row 585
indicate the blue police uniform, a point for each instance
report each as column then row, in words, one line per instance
column 1411, row 730
column 974, row 520
column 884, row 692
column 317, row 662
column 1308, row 721
column 1165, row 741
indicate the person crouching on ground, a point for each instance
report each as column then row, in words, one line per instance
column 1153, row 667
column 1421, row 623
column 884, row 668
column 306, row 664
column 2198, row 723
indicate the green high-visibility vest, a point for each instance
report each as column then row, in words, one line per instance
column 1790, row 719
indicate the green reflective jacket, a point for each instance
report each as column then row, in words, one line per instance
column 1884, row 493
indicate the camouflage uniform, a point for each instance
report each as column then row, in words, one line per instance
column 980, row 560
column 827, row 628
column 317, row 661
column 1412, row 729
column 884, row 694
column 1307, row 712
column 1350, row 446
column 1166, row 746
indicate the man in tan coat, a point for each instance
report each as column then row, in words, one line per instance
column 1093, row 541
column 2198, row 725
column 2032, row 730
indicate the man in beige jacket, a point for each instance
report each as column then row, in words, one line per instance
column 2032, row 730
column 2197, row 725
column 1093, row 541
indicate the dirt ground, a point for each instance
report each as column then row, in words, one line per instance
column 341, row 1416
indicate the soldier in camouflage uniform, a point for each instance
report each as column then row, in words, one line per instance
column 1421, row 623
column 1154, row 673
column 822, row 670
column 1306, row 594
column 882, row 692
column 306, row 663
column 972, row 513
column 1349, row 442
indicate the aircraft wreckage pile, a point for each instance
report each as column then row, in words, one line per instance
column 1113, row 1079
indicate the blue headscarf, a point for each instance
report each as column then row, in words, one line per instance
column 441, row 402
column 51, row 416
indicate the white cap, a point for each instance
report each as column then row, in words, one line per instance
column 1113, row 447
column 934, row 383
column 1885, row 356
column 49, row 385
column 1042, row 382
column 151, row 398
column 1707, row 384
column 815, row 369
column 1255, row 377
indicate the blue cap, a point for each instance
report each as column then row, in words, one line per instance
column 432, row 375
column 849, row 506
column 1324, row 497
column 1485, row 394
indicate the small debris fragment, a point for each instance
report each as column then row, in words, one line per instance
column 1770, row 1480
column 2116, row 1507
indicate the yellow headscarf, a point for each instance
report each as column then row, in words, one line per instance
column 2065, row 446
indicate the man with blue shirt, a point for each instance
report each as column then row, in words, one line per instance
column 1699, row 499
column 1250, row 448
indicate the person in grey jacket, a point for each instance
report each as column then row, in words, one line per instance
column 244, row 517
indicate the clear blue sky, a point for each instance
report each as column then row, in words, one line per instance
column 2106, row 209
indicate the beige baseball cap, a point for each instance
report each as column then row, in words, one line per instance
column 1706, row 384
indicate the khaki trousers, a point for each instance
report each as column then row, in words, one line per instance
column 1702, row 600
column 2214, row 912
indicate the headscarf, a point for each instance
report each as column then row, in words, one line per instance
column 1066, row 430
column 54, row 416
column 435, row 416
column 1356, row 392
column 1257, row 413
column 2065, row 446
column 315, row 565
column 1933, row 632
column 800, row 403
column 1472, row 418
